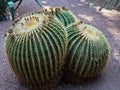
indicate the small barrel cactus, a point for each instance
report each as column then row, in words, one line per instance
column 36, row 47
column 88, row 50
column 62, row 13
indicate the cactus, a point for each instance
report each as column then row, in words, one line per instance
column 36, row 47
column 111, row 4
column 62, row 13
column 88, row 50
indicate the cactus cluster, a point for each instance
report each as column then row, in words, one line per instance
column 40, row 43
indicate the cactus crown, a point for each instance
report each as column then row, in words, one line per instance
column 28, row 23
column 62, row 13
column 90, row 32
column 52, row 10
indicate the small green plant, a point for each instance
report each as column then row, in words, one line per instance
column 10, row 4
column 2, row 10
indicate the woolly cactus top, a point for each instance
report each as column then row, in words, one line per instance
column 90, row 32
column 87, row 31
column 27, row 23
column 62, row 13
column 53, row 10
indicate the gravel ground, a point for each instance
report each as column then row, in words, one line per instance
column 108, row 21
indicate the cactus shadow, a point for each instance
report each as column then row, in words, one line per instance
column 80, row 81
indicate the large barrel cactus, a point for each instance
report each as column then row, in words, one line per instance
column 36, row 47
column 62, row 13
column 88, row 50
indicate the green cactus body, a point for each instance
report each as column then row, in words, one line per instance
column 88, row 50
column 63, row 14
column 36, row 48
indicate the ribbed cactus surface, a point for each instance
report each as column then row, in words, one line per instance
column 62, row 13
column 88, row 50
column 36, row 47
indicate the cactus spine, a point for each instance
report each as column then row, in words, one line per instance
column 88, row 50
column 36, row 47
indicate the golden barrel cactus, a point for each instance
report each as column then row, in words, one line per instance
column 36, row 47
column 88, row 50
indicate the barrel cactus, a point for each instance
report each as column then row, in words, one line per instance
column 88, row 50
column 62, row 13
column 36, row 47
